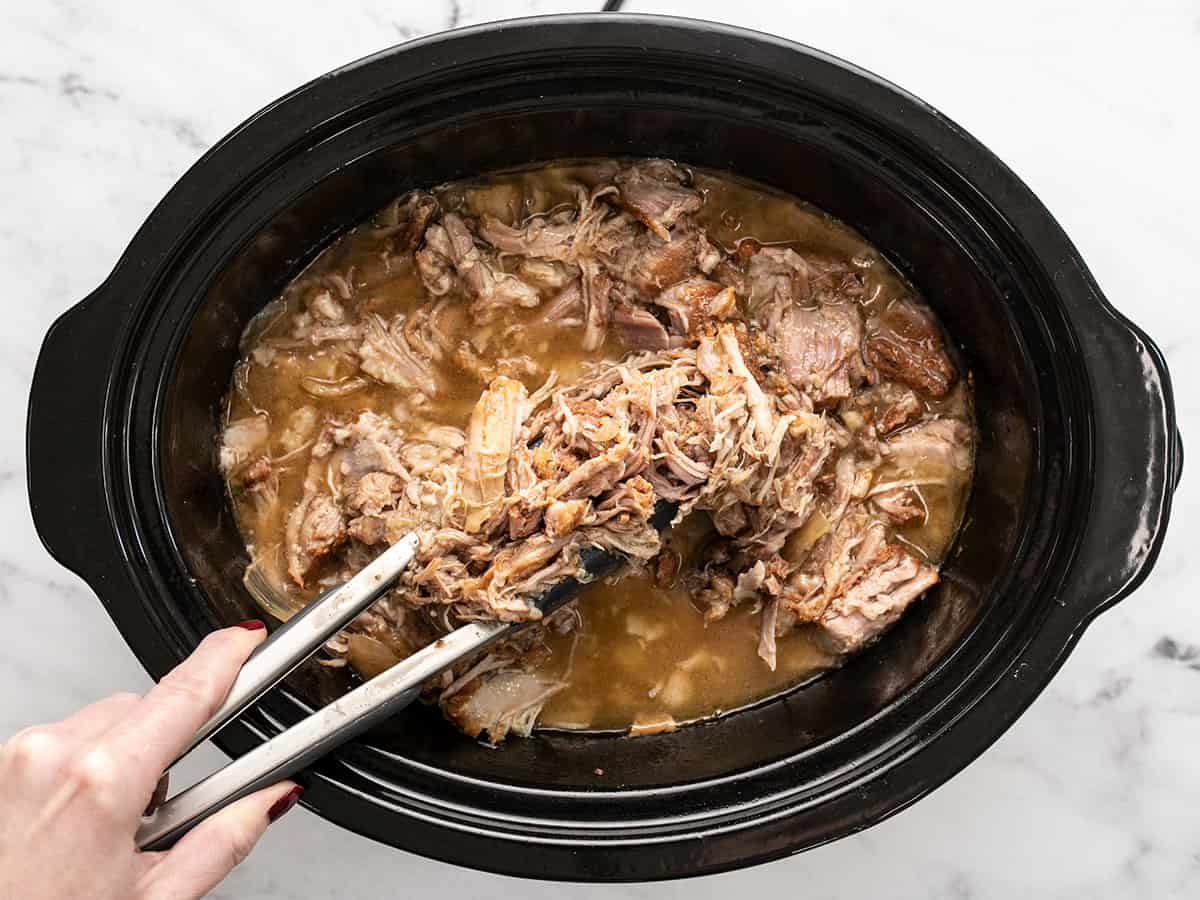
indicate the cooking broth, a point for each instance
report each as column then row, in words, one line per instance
column 643, row 653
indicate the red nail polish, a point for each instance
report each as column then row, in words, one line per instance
column 252, row 625
column 284, row 803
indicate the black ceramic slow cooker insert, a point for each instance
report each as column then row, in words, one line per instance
column 1077, row 461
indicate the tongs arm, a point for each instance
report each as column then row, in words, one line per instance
column 311, row 738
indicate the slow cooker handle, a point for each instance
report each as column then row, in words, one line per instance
column 1138, row 461
column 65, row 434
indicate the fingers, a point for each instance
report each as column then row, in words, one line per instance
column 210, row 850
column 44, row 755
column 161, row 724
column 33, row 760
column 93, row 721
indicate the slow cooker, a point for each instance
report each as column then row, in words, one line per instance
column 1078, row 458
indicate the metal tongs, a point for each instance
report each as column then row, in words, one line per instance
column 341, row 720
column 353, row 713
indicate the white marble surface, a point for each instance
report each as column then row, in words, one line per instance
column 1092, row 794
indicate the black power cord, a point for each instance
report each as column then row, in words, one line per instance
column 612, row 5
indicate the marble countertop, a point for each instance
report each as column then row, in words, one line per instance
column 1091, row 794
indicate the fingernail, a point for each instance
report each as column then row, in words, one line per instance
column 252, row 625
column 284, row 803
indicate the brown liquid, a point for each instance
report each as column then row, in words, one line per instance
column 642, row 655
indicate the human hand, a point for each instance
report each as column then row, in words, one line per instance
column 72, row 793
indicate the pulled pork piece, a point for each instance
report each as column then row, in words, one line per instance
column 421, row 209
column 371, row 443
column 873, row 603
column 655, row 193
column 543, row 237
column 906, row 344
column 820, row 350
column 597, row 287
column 890, row 406
column 518, row 573
column 405, row 221
column 450, row 248
column 649, row 265
column 240, row 441
column 322, row 305
column 434, row 264
column 314, row 528
column 566, row 309
column 564, row 516
column 386, row 356
column 778, row 278
column 766, row 639
column 493, row 704
column 325, row 388
column 544, row 274
column 750, row 582
column 467, row 359
column 901, row 505
column 638, row 329
column 942, row 443
column 312, row 330
column 853, row 585
column 717, row 598
column 832, row 281
column 666, row 568
column 373, row 493
column 696, row 300
column 426, row 332
column 495, row 423
column 562, row 234
column 257, row 472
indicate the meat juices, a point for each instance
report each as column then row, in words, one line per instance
column 520, row 367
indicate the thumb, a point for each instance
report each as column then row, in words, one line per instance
column 208, row 852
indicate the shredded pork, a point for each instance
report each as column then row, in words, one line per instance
column 754, row 389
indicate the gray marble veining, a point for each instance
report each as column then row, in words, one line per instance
column 1093, row 792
